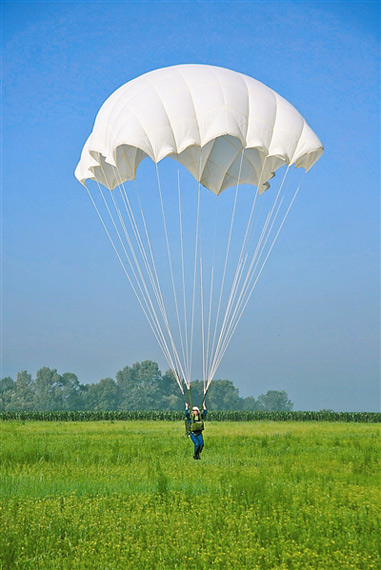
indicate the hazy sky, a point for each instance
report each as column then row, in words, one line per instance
column 312, row 326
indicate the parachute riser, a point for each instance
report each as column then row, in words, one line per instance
column 190, row 402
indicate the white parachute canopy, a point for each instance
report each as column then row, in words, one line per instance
column 228, row 130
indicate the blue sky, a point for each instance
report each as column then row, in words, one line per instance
column 312, row 326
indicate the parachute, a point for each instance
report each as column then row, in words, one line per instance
column 229, row 134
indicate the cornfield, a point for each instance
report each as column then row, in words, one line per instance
column 218, row 416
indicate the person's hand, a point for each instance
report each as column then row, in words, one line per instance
column 186, row 406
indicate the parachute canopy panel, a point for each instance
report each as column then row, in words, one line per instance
column 223, row 126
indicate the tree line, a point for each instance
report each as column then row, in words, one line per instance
column 138, row 387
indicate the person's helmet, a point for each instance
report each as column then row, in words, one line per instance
column 195, row 409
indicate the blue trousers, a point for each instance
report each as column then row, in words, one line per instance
column 198, row 441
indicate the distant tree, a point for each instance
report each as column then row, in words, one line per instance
column 103, row 395
column 274, row 400
column 139, row 386
column 7, row 387
column 6, row 384
column 23, row 396
column 48, row 389
column 249, row 404
column 223, row 395
column 169, row 397
column 71, row 392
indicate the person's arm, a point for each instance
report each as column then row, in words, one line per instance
column 187, row 410
column 204, row 412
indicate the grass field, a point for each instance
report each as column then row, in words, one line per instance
column 128, row 495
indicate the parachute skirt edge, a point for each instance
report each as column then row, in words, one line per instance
column 258, row 167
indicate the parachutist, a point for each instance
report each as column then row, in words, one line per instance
column 195, row 426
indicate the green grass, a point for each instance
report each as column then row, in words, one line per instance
column 128, row 495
